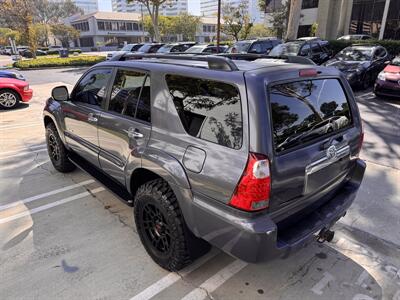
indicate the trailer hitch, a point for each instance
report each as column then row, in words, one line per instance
column 325, row 235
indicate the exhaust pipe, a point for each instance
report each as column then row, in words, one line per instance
column 325, row 235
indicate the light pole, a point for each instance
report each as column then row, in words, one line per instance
column 218, row 24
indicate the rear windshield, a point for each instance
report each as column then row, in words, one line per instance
column 306, row 110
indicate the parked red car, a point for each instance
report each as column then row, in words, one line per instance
column 388, row 81
column 12, row 91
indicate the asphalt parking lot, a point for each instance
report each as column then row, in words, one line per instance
column 63, row 236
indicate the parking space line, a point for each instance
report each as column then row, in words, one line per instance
column 171, row 278
column 23, row 154
column 9, row 127
column 27, row 147
column 215, row 281
column 40, row 196
column 50, row 205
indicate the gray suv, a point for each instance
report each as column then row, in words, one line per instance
column 254, row 155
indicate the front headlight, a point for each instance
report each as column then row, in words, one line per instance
column 26, row 87
column 382, row 76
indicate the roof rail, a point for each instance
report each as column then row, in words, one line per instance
column 250, row 57
column 214, row 62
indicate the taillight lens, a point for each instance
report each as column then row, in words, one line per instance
column 252, row 192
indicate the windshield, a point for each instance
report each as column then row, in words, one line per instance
column 145, row 48
column 195, row 49
column 127, row 48
column 241, row 47
column 396, row 61
column 351, row 54
column 285, row 49
column 165, row 49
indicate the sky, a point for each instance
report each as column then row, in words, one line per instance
column 193, row 6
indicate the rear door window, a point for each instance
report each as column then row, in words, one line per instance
column 303, row 111
column 209, row 110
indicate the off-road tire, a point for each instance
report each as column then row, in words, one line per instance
column 16, row 98
column 57, row 152
column 184, row 247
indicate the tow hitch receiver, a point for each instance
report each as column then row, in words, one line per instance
column 325, row 235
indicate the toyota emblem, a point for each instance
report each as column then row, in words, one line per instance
column 331, row 152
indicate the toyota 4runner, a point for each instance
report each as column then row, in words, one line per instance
column 250, row 154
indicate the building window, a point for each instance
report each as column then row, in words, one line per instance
column 100, row 25
column 86, row 42
column 309, row 4
column 366, row 17
column 304, row 30
column 392, row 29
column 135, row 26
column 83, row 26
column 129, row 26
column 272, row 5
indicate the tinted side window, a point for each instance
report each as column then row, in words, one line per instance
column 143, row 107
column 209, row 110
column 305, row 50
column 315, row 48
column 92, row 88
column 126, row 91
column 305, row 110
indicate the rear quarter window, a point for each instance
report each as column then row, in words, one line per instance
column 306, row 110
column 209, row 110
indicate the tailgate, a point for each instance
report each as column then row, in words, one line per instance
column 314, row 138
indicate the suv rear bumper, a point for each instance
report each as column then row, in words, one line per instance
column 258, row 238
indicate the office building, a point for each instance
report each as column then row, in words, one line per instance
column 209, row 8
column 172, row 8
column 378, row 18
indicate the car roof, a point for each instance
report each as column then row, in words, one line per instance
column 256, row 67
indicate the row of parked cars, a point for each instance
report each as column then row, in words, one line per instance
column 24, row 51
column 363, row 65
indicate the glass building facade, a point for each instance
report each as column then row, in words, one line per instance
column 366, row 18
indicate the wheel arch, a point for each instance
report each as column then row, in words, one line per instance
column 50, row 118
column 11, row 88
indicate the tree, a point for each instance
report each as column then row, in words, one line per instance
column 236, row 20
column 153, row 8
column 52, row 12
column 186, row 25
column 19, row 14
column 6, row 33
column 41, row 34
column 64, row 33
column 259, row 30
column 279, row 16
column 314, row 29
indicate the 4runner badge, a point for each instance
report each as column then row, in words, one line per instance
column 331, row 152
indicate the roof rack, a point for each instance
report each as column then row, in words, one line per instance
column 214, row 62
column 252, row 56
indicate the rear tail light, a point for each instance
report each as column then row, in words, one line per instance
column 308, row 73
column 252, row 192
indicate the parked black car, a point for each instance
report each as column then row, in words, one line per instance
column 176, row 47
column 317, row 50
column 257, row 46
column 360, row 64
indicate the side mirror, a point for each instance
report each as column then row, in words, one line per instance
column 60, row 93
column 387, row 62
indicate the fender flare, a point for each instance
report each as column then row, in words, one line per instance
column 50, row 114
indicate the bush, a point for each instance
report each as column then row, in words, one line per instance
column 392, row 46
column 58, row 62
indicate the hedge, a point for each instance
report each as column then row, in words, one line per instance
column 58, row 62
column 392, row 46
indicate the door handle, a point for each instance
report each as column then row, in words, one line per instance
column 91, row 118
column 133, row 133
